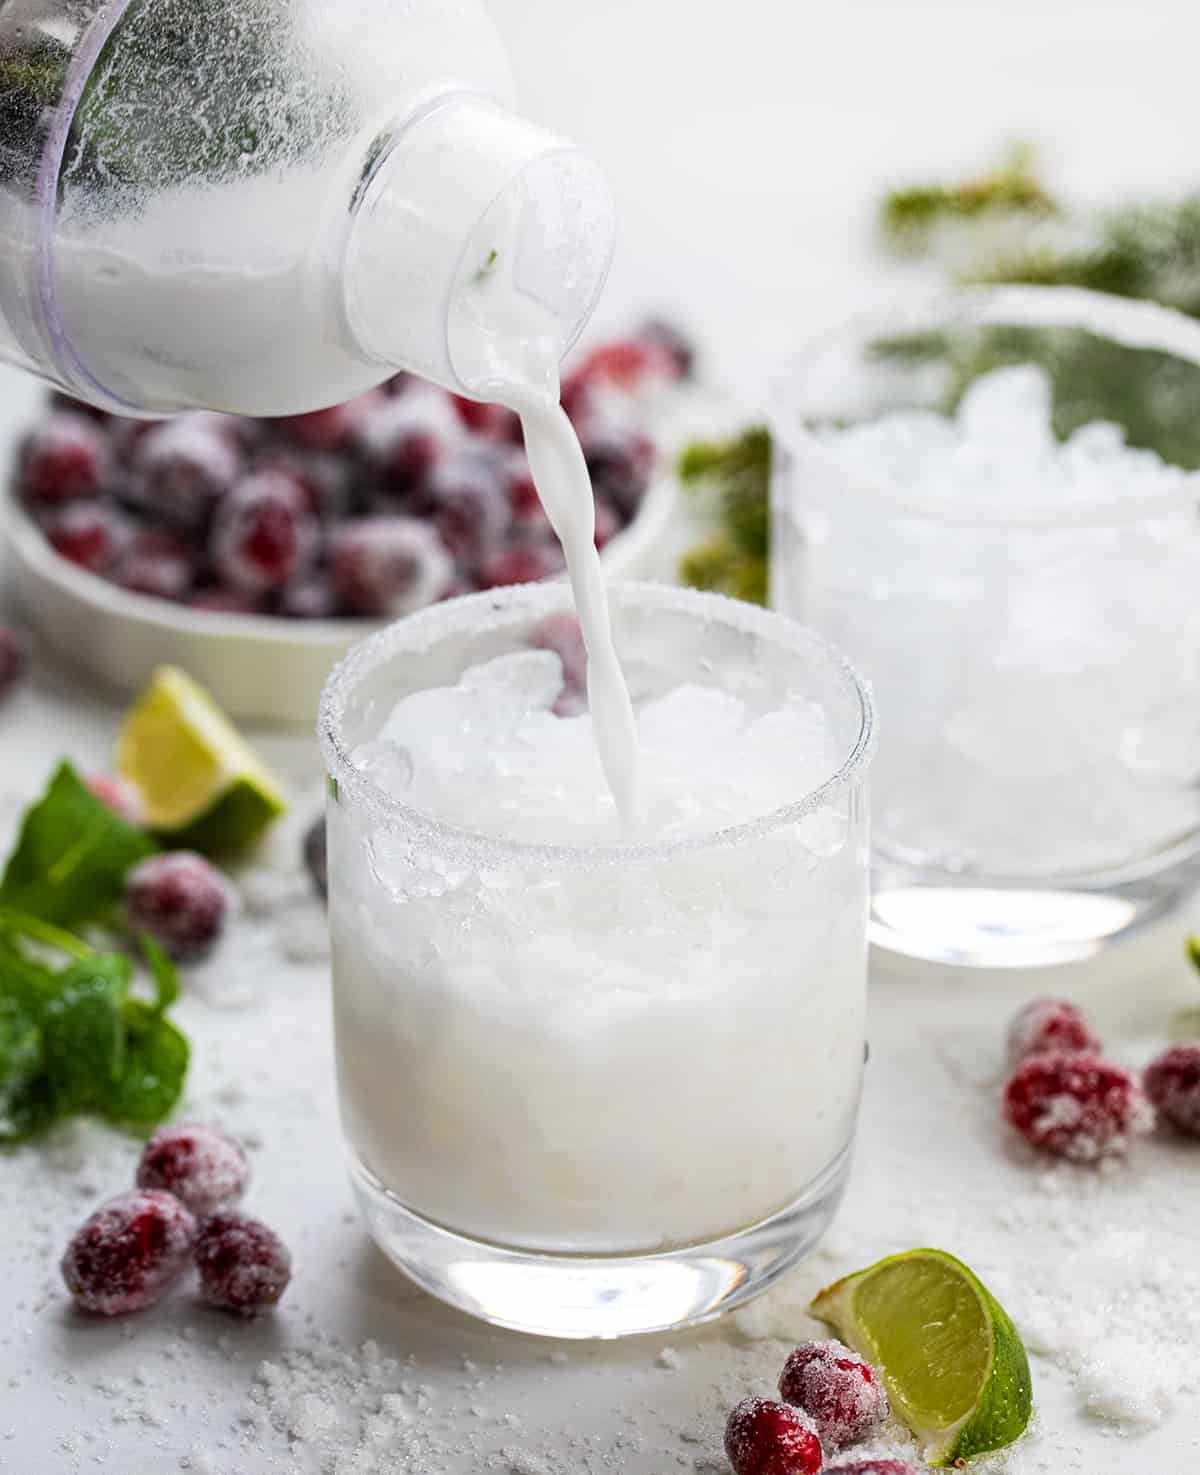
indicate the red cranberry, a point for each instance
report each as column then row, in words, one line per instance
column 1076, row 1105
column 677, row 348
column 181, row 900
column 119, row 794
column 65, row 458
column 14, row 659
column 1049, row 1024
column 406, row 437
column 388, row 565
column 563, row 634
column 328, row 481
column 523, row 500
column 630, row 362
column 331, row 429
column 244, row 1266
column 1172, row 1083
column 840, row 1391
column 470, row 506
column 766, row 1438
column 128, row 1253
column 620, row 462
column 521, row 563
column 877, row 1467
column 315, row 859
column 313, row 598
column 494, row 422
column 183, row 468
column 89, row 534
column 156, row 563
column 264, row 533
column 202, row 1167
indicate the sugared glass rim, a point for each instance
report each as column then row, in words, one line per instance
column 521, row 602
column 1131, row 323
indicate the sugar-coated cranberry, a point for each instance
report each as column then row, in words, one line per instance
column 469, row 496
column 630, row 362
column 264, row 534
column 91, row 534
column 1076, row 1105
column 667, row 337
column 181, row 900
column 521, row 563
column 129, row 1253
column 561, row 632
column 156, row 563
column 1172, row 1082
column 494, row 422
column 388, row 565
column 406, row 436
column 14, row 658
column 877, row 1467
column 244, row 1266
column 333, row 428
column 620, row 462
column 608, row 522
column 120, row 794
column 328, row 480
column 839, row 1390
column 65, row 458
column 202, row 1167
column 218, row 600
column 311, row 598
column 767, row 1438
column 315, row 856
column 183, row 468
column 1049, row 1024
column 523, row 500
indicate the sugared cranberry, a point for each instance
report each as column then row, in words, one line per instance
column 521, row 563
column 620, row 462
column 494, row 422
column 1172, row 1083
column 608, row 522
column 1049, row 1024
column 630, row 362
column 128, row 1253
column 313, row 598
column 331, row 429
column 202, row 1167
column 119, row 794
column 405, row 437
column 244, row 1266
column 157, row 563
column 181, row 900
column 65, row 458
column 523, row 500
column 562, row 634
column 90, row 534
column 264, row 534
column 840, row 1391
column 766, row 1438
column 14, row 659
column 183, row 468
column 388, row 565
column 469, row 497
column 218, row 600
column 1076, row 1105
column 328, row 481
column 877, row 1467
column 668, row 338
column 315, row 858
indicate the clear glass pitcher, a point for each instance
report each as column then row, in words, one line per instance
column 267, row 206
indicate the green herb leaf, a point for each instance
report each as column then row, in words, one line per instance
column 83, row 1033
column 162, row 971
column 71, row 856
column 25, row 1102
column 155, row 1067
column 25, row 982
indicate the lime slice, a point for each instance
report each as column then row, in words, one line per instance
column 204, row 787
column 953, row 1364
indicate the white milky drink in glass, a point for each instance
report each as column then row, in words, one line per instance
column 597, row 1074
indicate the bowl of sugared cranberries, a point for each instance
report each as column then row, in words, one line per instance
column 255, row 552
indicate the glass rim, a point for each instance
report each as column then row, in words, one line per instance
column 465, row 613
column 1132, row 323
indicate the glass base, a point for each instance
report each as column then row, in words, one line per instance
column 581, row 1296
column 942, row 919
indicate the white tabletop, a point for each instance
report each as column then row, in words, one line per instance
column 744, row 149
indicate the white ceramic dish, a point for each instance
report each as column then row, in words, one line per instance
column 260, row 669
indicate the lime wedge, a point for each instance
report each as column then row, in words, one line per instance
column 205, row 789
column 953, row 1364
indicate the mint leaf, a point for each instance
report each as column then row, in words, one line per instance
column 83, row 1033
column 71, row 856
column 25, row 1102
column 162, row 971
column 155, row 1066
column 24, row 982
